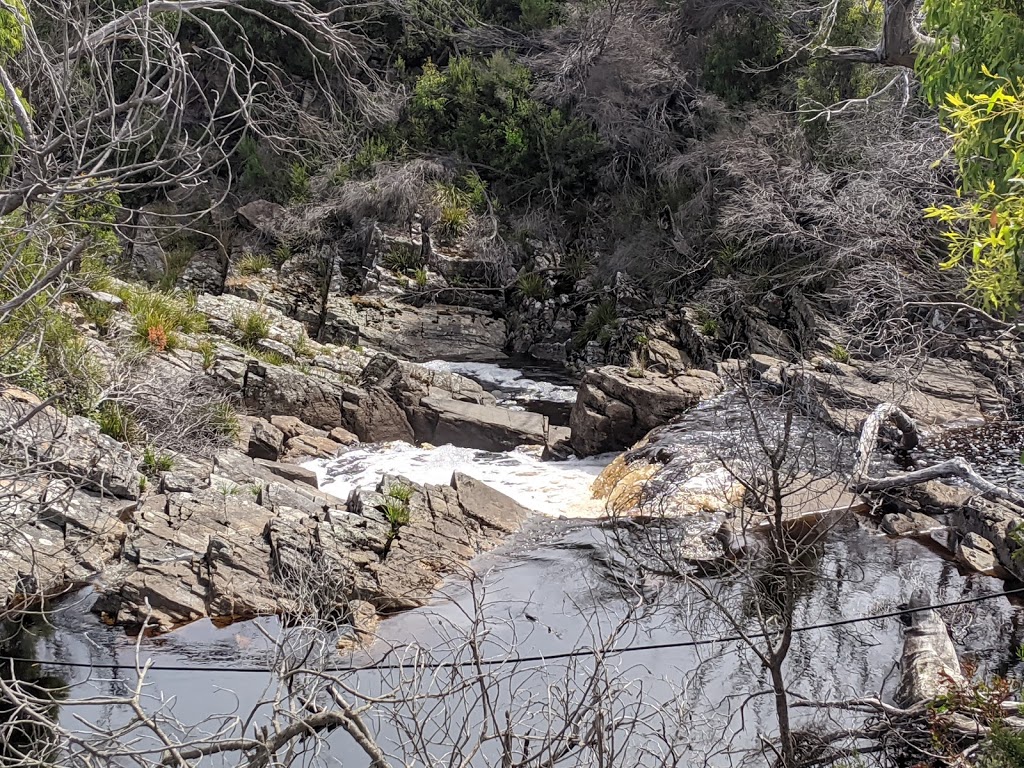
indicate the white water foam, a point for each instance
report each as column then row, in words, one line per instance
column 491, row 376
column 557, row 488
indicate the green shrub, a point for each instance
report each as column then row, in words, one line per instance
column 709, row 327
column 376, row 149
column 281, row 255
column 254, row 174
column 21, row 367
column 840, row 353
column 401, row 492
column 526, row 15
column 254, row 263
column 825, row 81
column 158, row 317
column 208, row 350
column 176, row 260
column 117, row 422
column 403, row 257
column 452, row 224
column 252, row 326
column 302, row 346
column 577, row 264
column 532, row 285
column 99, row 313
column 154, row 463
column 297, row 183
column 485, row 110
column 269, row 356
column 71, row 368
column 397, row 513
column 224, row 421
column 598, row 324
column 422, row 277
column 737, row 40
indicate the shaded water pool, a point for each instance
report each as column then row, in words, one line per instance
column 559, row 586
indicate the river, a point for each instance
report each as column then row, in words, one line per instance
column 561, row 585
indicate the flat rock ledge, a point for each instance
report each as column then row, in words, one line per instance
column 235, row 538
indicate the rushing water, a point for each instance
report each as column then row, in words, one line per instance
column 552, row 488
column 541, row 390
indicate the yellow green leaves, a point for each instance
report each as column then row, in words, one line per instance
column 13, row 19
column 975, row 71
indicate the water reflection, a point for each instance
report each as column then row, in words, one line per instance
column 563, row 585
column 24, row 737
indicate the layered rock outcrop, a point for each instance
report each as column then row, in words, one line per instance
column 615, row 409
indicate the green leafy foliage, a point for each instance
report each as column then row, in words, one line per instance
column 252, row 326
column 598, row 325
column 840, row 353
column 153, row 462
column 826, row 81
column 158, row 317
column 975, row 71
column 224, row 421
column 484, row 110
column 526, row 15
column 208, row 350
column 532, row 285
column 117, row 422
column 252, row 264
column 738, row 40
column 403, row 257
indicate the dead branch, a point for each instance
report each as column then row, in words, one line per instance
column 863, row 482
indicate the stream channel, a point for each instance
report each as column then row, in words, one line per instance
column 563, row 583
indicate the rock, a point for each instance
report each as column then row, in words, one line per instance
column 74, row 448
column 407, row 383
column 291, row 426
column 426, row 333
column 374, row 417
column 553, row 352
column 491, row 508
column 979, row 554
column 263, row 216
column 343, row 436
column 997, row 523
column 274, row 390
column 205, row 272
column 290, row 472
column 310, row 446
column 909, row 524
column 929, row 665
column 265, row 440
column 943, row 393
column 442, row 420
column 615, row 410
column 224, row 313
column 181, row 482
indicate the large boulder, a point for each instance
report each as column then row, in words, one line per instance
column 444, row 420
column 72, row 447
column 263, row 216
column 614, row 409
column 929, row 667
column 941, row 393
column 417, row 333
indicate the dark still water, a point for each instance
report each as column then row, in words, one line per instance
column 559, row 586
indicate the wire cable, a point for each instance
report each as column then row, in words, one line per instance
column 540, row 658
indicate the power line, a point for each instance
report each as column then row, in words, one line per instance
column 533, row 659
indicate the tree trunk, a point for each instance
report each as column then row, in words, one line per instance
column 900, row 43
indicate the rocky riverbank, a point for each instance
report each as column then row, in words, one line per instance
column 317, row 363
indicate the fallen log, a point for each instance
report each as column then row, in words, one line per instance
column 862, row 481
